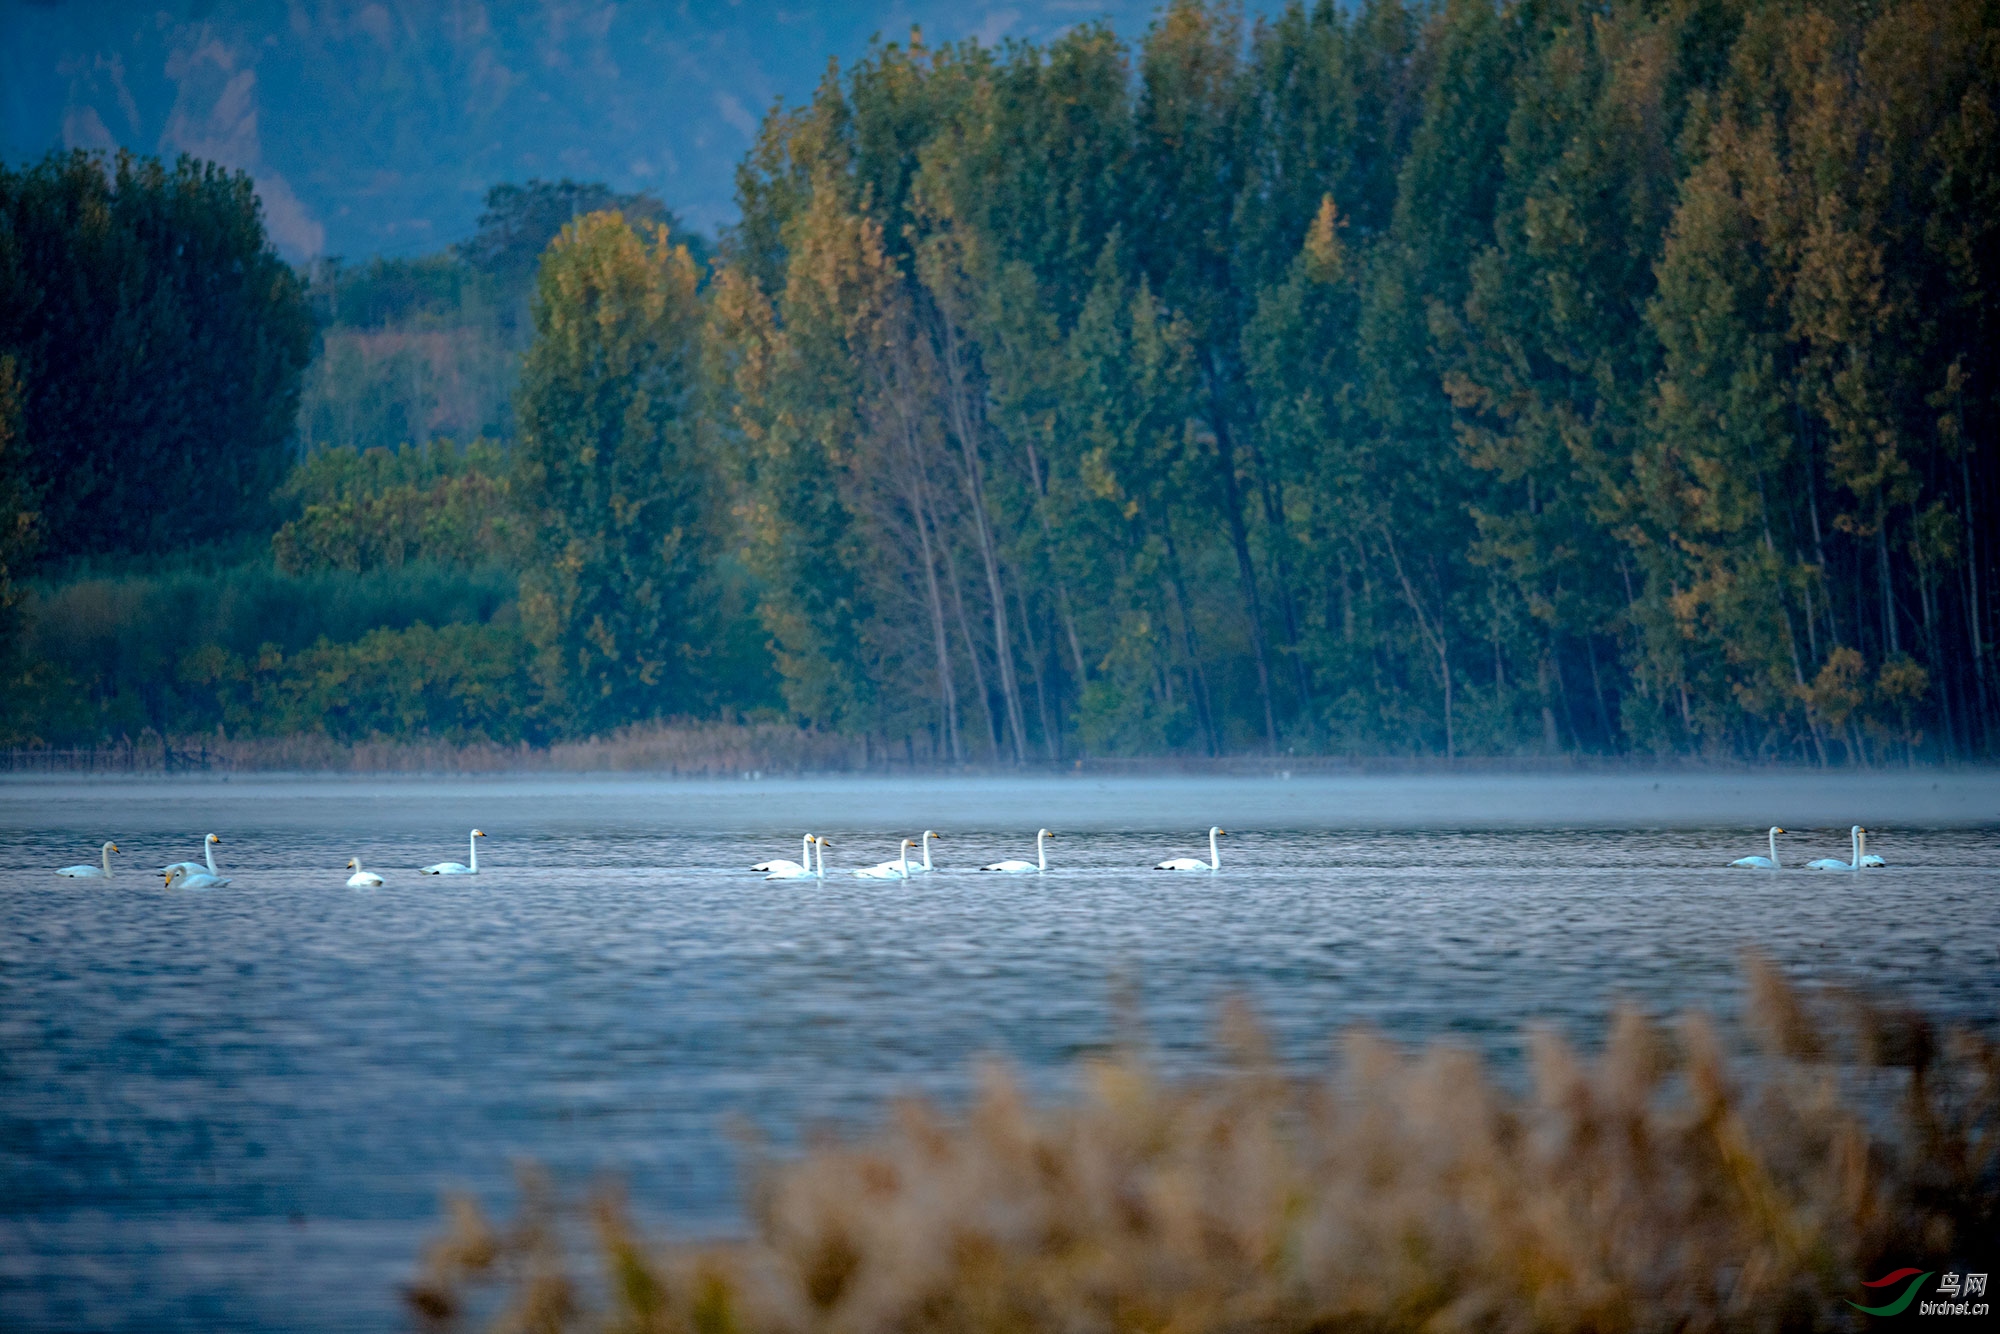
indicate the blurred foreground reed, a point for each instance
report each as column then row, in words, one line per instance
column 1665, row 1184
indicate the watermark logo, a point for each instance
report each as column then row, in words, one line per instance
column 1900, row 1304
column 1955, row 1292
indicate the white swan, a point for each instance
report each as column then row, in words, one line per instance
column 895, row 870
column 1834, row 863
column 208, row 843
column 179, row 878
column 926, row 868
column 1868, row 858
column 456, row 868
column 1214, row 862
column 361, row 879
column 1015, row 866
column 782, row 869
column 1770, row 863
column 790, row 870
column 86, row 871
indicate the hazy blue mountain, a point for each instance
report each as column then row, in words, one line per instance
column 374, row 126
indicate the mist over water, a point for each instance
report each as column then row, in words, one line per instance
column 237, row 1109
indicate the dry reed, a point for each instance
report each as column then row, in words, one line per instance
column 1662, row 1185
column 688, row 749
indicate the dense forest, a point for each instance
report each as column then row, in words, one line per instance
column 1432, row 378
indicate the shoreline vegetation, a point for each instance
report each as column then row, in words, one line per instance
column 728, row 750
column 1447, row 377
column 1685, row 1176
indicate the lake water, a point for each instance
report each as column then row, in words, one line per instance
column 238, row 1109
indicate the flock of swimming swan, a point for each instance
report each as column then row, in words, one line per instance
column 204, row 875
column 812, row 862
column 1859, row 858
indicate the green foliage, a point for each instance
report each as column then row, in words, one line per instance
column 17, row 519
column 433, row 289
column 413, row 350
column 458, row 683
column 194, row 651
column 619, row 594
column 158, row 340
column 1458, row 377
column 1421, row 376
column 520, row 221
column 428, row 348
column 365, row 510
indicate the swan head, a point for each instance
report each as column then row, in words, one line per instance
column 932, row 833
column 1777, row 829
column 479, row 833
column 1216, row 831
column 110, row 847
column 353, row 863
column 1045, row 833
column 211, row 839
column 909, row 842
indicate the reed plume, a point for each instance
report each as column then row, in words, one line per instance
column 1683, row 1178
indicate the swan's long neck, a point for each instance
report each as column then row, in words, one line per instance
column 903, row 856
column 1041, row 852
column 819, row 859
column 472, row 853
column 106, row 852
column 208, row 851
column 806, row 851
column 927, row 850
column 1854, row 843
column 1860, row 845
column 1214, row 852
column 1773, row 836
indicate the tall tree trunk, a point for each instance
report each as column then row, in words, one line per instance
column 1288, row 612
column 965, row 428
column 947, row 687
column 1050, row 742
column 972, row 652
column 1891, row 637
column 1049, row 547
column 1973, row 605
column 1204, row 709
column 1239, row 539
column 1435, row 637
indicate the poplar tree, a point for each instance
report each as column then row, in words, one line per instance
column 611, row 479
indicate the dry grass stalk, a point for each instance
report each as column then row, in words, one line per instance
column 1659, row 1186
column 692, row 749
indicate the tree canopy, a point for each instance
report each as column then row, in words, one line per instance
column 158, row 342
column 1457, row 377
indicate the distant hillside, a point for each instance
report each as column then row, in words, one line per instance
column 375, row 128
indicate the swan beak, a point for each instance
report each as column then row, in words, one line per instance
column 1784, row 831
column 116, row 848
column 479, row 833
